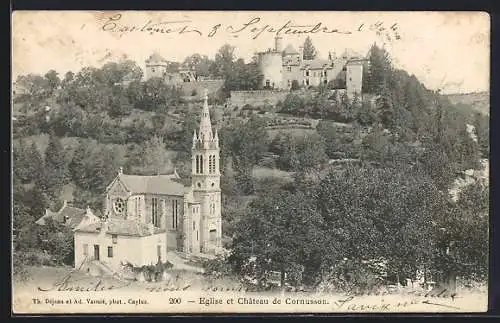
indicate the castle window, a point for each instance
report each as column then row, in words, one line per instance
column 325, row 73
column 307, row 82
column 194, row 225
column 154, row 212
column 175, row 214
column 307, row 73
column 110, row 252
column 212, row 208
column 268, row 83
column 289, row 68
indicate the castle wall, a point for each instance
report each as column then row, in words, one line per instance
column 257, row 98
column 211, row 85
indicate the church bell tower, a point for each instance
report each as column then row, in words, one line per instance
column 206, row 181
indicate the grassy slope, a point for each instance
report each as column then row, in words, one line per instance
column 479, row 101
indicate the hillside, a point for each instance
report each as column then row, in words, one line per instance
column 478, row 101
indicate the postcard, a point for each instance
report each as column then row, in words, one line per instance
column 250, row 162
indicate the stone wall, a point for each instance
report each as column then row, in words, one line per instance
column 211, row 85
column 257, row 98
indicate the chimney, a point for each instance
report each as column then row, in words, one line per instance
column 278, row 44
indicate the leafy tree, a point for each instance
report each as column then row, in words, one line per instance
column 244, row 143
column 243, row 77
column 278, row 232
column 56, row 166
column 293, row 104
column 201, row 64
column 309, row 49
column 295, row 85
column 224, row 61
column 154, row 155
column 52, row 80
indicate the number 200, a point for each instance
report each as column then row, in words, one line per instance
column 174, row 301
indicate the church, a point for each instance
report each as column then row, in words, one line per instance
column 147, row 216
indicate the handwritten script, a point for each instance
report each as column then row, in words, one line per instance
column 253, row 28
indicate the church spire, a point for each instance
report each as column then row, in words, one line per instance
column 205, row 124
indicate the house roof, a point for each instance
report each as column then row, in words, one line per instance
column 290, row 50
column 155, row 184
column 316, row 64
column 122, row 227
column 156, row 58
column 69, row 215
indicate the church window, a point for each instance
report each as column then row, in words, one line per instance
column 175, row 214
column 119, row 205
column 110, row 252
column 213, row 184
column 154, row 212
column 194, row 226
column 138, row 206
column 211, row 164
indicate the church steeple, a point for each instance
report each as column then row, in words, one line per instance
column 205, row 132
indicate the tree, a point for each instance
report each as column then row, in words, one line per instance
column 52, row 80
column 295, row 85
column 244, row 143
column 278, row 233
column 293, row 104
column 154, row 155
column 201, row 64
column 309, row 49
column 224, row 61
column 56, row 166
column 243, row 77
column 379, row 70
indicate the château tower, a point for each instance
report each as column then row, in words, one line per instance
column 206, row 180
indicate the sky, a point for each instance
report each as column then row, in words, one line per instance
column 445, row 50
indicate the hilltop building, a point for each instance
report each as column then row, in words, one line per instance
column 157, row 66
column 281, row 67
column 148, row 215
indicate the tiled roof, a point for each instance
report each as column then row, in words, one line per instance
column 290, row 50
column 69, row 215
column 156, row 184
column 122, row 227
column 316, row 64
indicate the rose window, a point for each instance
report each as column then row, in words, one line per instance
column 119, row 206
